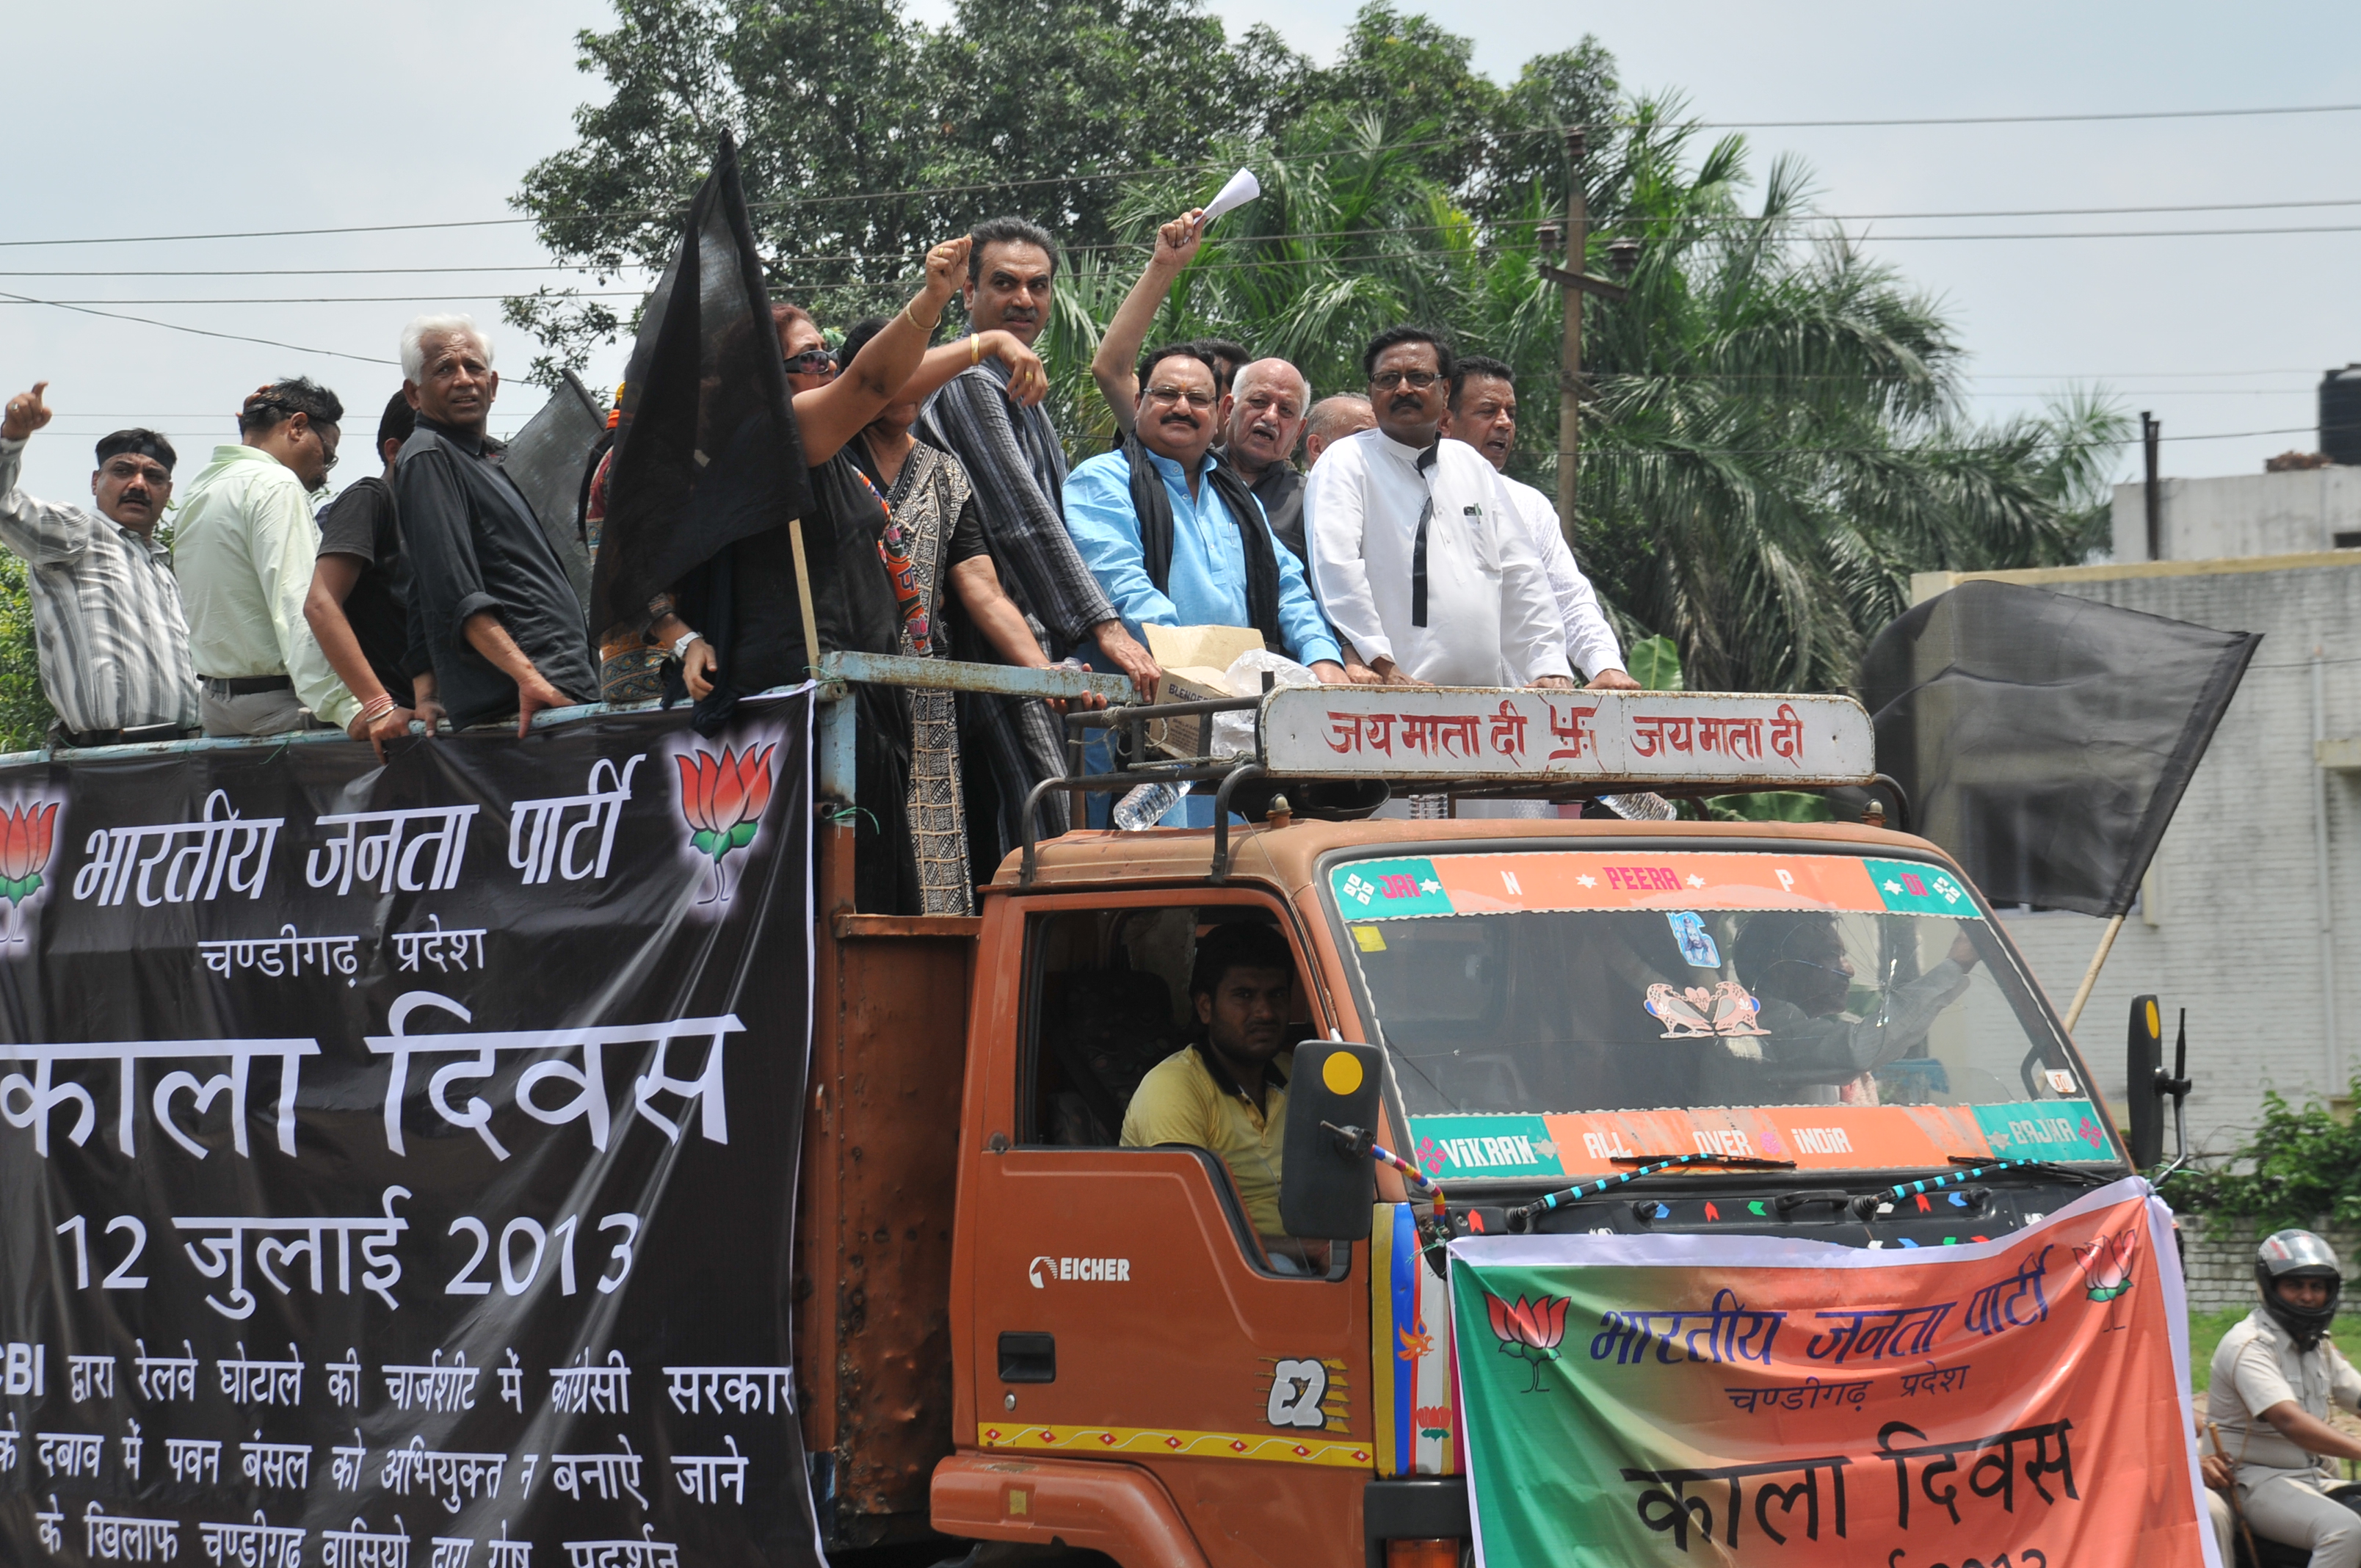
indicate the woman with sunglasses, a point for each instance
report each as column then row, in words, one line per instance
column 830, row 407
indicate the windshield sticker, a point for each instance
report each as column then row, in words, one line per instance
column 1696, row 1013
column 1912, row 887
column 1816, row 1137
column 2058, row 1130
column 1386, row 890
column 1454, row 1148
column 1676, row 882
column 1368, row 938
column 1696, row 942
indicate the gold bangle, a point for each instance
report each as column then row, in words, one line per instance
column 926, row 327
column 974, row 349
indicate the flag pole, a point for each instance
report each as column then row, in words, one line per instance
column 803, row 597
column 2091, row 975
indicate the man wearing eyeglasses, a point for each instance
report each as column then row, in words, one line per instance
column 243, row 547
column 1425, row 570
column 106, row 610
column 1176, row 539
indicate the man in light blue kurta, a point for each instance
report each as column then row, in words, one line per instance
column 1208, row 573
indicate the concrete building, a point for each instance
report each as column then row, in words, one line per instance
column 2252, row 914
column 2237, row 515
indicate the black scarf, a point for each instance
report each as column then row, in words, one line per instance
column 1153, row 507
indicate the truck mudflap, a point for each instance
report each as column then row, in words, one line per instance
column 1116, row 1509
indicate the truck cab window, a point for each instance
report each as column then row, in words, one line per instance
column 1155, row 1026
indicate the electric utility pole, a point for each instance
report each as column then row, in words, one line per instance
column 1575, row 282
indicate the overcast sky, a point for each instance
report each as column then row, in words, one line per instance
column 146, row 119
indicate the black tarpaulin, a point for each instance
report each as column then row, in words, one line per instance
column 2046, row 741
column 706, row 452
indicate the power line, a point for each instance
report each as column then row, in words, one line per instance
column 194, row 331
column 2022, row 119
column 1078, row 178
column 1230, row 240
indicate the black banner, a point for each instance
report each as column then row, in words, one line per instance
column 399, row 1159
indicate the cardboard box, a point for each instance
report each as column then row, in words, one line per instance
column 1196, row 661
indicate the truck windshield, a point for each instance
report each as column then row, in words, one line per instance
column 1571, row 1012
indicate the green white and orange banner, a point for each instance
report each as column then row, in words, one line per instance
column 1744, row 1400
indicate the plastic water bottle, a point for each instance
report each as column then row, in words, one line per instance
column 1146, row 807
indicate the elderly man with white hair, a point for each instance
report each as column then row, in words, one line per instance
column 490, row 606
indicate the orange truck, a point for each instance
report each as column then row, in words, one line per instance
column 1015, row 1330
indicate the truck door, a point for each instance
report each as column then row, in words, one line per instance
column 1124, row 1308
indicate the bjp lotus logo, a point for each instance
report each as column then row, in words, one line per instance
column 25, row 838
column 722, row 799
column 1531, row 1332
column 2107, row 1263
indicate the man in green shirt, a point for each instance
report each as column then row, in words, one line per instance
column 243, row 546
column 1228, row 1093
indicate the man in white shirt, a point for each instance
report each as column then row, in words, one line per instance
column 243, row 549
column 1484, row 414
column 1420, row 560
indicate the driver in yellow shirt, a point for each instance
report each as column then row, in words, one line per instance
column 1228, row 1091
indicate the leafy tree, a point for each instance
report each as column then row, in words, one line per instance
column 24, row 713
column 2301, row 1167
column 1773, row 437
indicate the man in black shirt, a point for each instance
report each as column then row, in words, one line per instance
column 490, row 601
column 358, row 604
column 1267, row 402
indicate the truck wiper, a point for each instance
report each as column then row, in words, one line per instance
column 1864, row 1206
column 1521, row 1219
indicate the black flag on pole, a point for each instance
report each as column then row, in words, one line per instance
column 706, row 457
column 2046, row 741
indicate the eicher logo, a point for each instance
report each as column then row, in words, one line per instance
column 1092, row 1270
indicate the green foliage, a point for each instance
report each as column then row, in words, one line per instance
column 1772, row 435
column 24, row 713
column 2301, row 1168
column 1655, row 663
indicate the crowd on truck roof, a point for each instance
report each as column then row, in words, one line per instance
column 1398, row 551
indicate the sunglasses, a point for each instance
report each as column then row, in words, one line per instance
column 811, row 362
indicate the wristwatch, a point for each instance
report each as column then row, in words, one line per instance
column 680, row 647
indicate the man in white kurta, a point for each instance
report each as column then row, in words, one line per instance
column 1484, row 416
column 1418, row 557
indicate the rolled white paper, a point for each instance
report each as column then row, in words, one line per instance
column 1242, row 188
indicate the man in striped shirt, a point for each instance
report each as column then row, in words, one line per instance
column 106, row 610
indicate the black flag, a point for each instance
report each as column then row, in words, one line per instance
column 706, row 454
column 2045, row 741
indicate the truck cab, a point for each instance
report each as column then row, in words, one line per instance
column 1018, row 1330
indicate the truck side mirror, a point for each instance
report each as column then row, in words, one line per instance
column 2143, row 1063
column 1326, row 1187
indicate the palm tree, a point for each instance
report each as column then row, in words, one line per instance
column 1774, row 439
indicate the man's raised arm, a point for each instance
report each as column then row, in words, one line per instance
column 1114, row 366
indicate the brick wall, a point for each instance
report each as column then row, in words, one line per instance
column 2218, row 1261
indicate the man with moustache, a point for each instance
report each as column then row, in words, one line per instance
column 1422, row 566
column 1483, row 414
column 1176, row 538
column 490, row 606
column 243, row 544
column 107, row 609
column 1013, row 456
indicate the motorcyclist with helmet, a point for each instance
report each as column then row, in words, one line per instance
column 2275, row 1375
